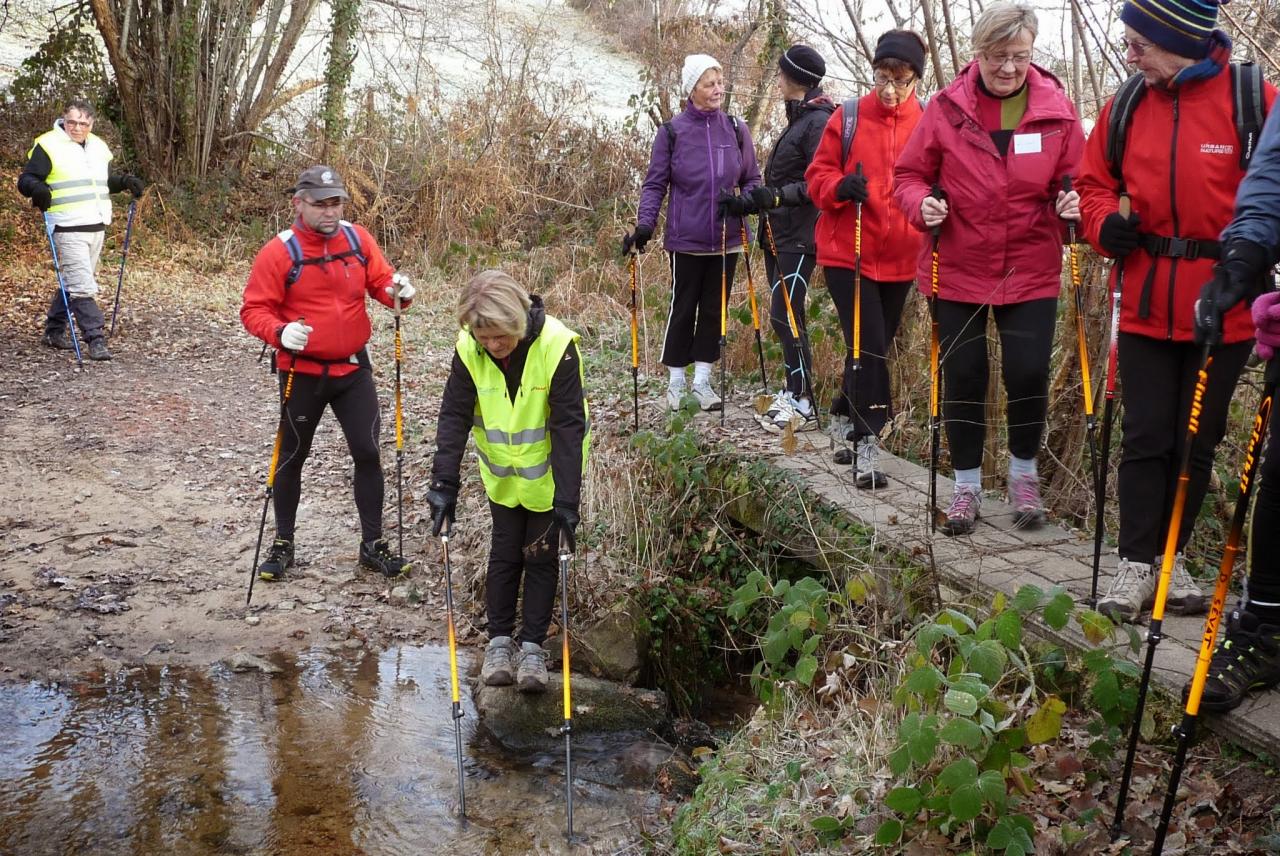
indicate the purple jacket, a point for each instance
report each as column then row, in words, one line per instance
column 706, row 160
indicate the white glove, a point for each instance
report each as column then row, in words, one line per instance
column 406, row 289
column 294, row 336
column 933, row 211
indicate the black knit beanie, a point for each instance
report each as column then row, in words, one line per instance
column 902, row 45
column 804, row 65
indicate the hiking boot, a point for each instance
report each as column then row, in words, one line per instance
column 98, row 350
column 1184, row 597
column 865, row 473
column 377, row 556
column 1132, row 591
column 964, row 511
column 59, row 339
column 498, row 669
column 531, row 672
column 1247, row 659
column 776, row 419
column 707, row 398
column 1024, row 496
column 279, row 560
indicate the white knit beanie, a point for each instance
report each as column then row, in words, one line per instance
column 696, row 65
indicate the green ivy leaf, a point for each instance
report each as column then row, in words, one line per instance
column 811, row 644
column 827, row 826
column 900, row 760
column 776, row 647
column 923, row 745
column 1046, row 723
column 966, row 803
column 1009, row 629
column 1058, row 611
column 924, row 680
column 960, row 702
column 806, row 668
column 970, row 684
column 904, row 800
column 1028, row 599
column 960, row 772
column 1097, row 628
column 988, row 659
column 889, row 832
column 962, row 732
column 1106, row 691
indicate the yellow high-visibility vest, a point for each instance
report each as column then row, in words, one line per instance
column 512, row 440
column 78, row 178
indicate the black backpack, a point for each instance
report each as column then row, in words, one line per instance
column 1247, row 106
column 291, row 244
column 849, row 126
column 671, row 133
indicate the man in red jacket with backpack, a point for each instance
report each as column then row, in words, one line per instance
column 306, row 298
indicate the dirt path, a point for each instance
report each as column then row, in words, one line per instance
column 132, row 494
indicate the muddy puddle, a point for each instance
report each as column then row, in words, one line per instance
column 332, row 755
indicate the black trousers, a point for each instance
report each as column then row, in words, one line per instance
column 523, row 547
column 1026, row 338
column 1264, row 528
column 791, row 271
column 354, row 401
column 1157, row 380
column 693, row 326
column 88, row 314
column 867, row 388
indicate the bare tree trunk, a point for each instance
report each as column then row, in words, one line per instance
column 931, row 38
column 343, row 25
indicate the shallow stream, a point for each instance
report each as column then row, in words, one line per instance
column 332, row 755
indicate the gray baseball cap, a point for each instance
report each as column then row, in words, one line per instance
column 320, row 182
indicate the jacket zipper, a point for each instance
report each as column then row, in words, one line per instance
column 1173, row 209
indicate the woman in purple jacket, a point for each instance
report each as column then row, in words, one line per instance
column 700, row 156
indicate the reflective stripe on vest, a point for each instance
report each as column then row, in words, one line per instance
column 511, row 438
column 77, row 178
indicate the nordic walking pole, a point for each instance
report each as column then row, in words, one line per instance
column 399, row 431
column 801, row 335
column 635, row 345
column 1154, row 634
column 62, row 288
column 1109, row 396
column 724, row 312
column 1086, row 382
column 453, row 666
column 935, row 420
column 855, row 323
column 271, row 473
column 566, row 556
column 1186, row 730
column 124, row 257
column 755, row 311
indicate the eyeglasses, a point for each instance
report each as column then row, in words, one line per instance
column 331, row 202
column 76, row 123
column 1019, row 60
column 882, row 80
column 1138, row 48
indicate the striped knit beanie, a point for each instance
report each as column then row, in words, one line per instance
column 1180, row 26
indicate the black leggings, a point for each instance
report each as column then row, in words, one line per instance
column 1157, row 379
column 868, row 387
column 522, row 546
column 1026, row 338
column 693, row 327
column 792, row 271
column 355, row 403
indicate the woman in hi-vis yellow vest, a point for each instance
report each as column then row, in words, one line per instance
column 516, row 386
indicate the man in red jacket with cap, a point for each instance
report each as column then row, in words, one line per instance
column 306, row 297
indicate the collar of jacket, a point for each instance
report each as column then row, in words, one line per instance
column 903, row 109
column 1046, row 97
column 1208, row 68
column 701, row 115
column 814, row 99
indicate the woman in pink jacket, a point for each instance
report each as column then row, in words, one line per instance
column 997, row 141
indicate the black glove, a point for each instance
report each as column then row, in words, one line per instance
column 134, row 185
column 566, row 520
column 733, row 206
column 637, row 239
column 763, row 197
column 1119, row 236
column 41, row 196
column 443, row 499
column 852, row 188
column 1239, row 276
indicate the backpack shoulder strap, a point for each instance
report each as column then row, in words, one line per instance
column 294, row 249
column 737, row 130
column 353, row 241
column 1248, row 107
column 848, row 127
column 1122, row 106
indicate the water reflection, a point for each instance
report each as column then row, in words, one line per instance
column 330, row 756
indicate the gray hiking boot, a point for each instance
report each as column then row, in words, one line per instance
column 1185, row 597
column 837, row 428
column 498, row 669
column 1132, row 592
column 675, row 398
column 98, row 350
column 707, row 398
column 964, row 511
column 59, row 339
column 866, row 475
column 531, row 673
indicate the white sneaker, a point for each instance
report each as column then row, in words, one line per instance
column 1185, row 596
column 776, row 418
column 803, row 408
column 674, row 398
column 1132, row 591
column 707, row 398
column 866, row 474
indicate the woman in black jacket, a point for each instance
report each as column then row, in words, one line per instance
column 786, row 210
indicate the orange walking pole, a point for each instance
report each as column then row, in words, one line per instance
column 935, row 416
column 271, row 475
column 1090, row 422
column 855, row 324
column 755, row 312
column 724, row 312
column 635, row 345
column 453, row 666
column 801, row 336
column 566, row 556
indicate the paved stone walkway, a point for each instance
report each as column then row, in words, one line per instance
column 998, row 557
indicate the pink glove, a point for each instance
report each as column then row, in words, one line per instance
column 1266, row 318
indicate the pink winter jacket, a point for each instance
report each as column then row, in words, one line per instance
column 1002, row 240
